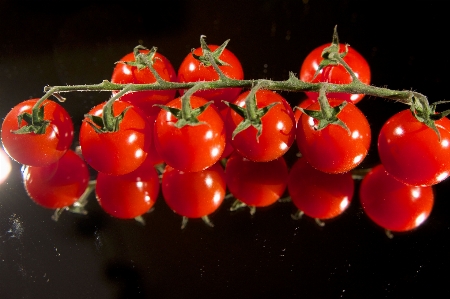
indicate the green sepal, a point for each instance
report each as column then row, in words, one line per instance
column 141, row 60
column 323, row 120
column 426, row 114
column 192, row 120
column 215, row 54
column 108, row 123
column 35, row 122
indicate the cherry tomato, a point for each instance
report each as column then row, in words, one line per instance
column 334, row 149
column 145, row 100
column 335, row 74
column 318, row 194
column 393, row 205
column 38, row 149
column 278, row 128
column 412, row 152
column 57, row 185
column 130, row 195
column 194, row 194
column 229, row 149
column 192, row 70
column 256, row 184
column 120, row 152
column 190, row 148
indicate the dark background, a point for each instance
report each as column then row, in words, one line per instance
column 267, row 255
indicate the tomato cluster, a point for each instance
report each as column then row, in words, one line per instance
column 250, row 132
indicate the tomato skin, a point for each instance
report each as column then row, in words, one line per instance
column 412, row 153
column 335, row 74
column 38, row 149
column 257, row 184
column 130, row 195
column 393, row 205
column 57, row 185
column 318, row 194
column 333, row 149
column 191, row 148
column 121, row 152
column 145, row 100
column 194, row 194
column 278, row 128
column 191, row 70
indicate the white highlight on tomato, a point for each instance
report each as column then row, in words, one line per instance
column 126, row 70
column 283, row 146
column 445, row 143
column 280, row 125
column 217, row 197
column 5, row 166
column 355, row 134
column 420, row 219
column 139, row 153
column 191, row 66
column 442, row 176
column 132, row 138
column 209, row 135
column 399, row 131
column 415, row 193
column 209, row 181
column 358, row 158
column 354, row 97
column 344, row 203
column 215, row 152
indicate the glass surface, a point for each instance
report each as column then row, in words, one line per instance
column 266, row 255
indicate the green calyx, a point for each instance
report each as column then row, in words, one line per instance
column 204, row 59
column 186, row 117
column 107, row 123
column 35, row 121
column 426, row 113
column 141, row 60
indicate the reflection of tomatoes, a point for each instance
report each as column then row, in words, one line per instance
column 393, row 205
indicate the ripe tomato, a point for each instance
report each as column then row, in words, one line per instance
column 194, row 194
column 38, row 149
column 333, row 149
column 192, row 70
column 318, row 194
column 278, row 128
column 145, row 100
column 412, row 152
column 57, row 185
column 335, row 74
column 120, row 152
column 190, row 148
column 130, row 195
column 257, row 184
column 393, row 205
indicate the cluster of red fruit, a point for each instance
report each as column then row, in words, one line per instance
column 249, row 132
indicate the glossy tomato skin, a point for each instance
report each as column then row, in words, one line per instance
column 412, row 152
column 278, row 128
column 38, row 149
column 121, row 152
column 318, row 194
column 191, row 70
column 194, row 194
column 191, row 148
column 130, row 195
column 333, row 149
column 257, row 184
column 145, row 100
column 335, row 74
column 57, row 185
column 393, row 205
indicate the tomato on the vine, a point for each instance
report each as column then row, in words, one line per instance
column 412, row 152
column 57, row 185
column 335, row 73
column 334, row 149
column 257, row 184
column 124, row 74
column 130, row 195
column 120, row 152
column 194, row 194
column 191, row 147
column 392, row 204
column 318, row 194
column 278, row 128
column 37, row 149
column 192, row 70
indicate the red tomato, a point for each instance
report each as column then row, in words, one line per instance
column 318, row 194
column 278, row 128
column 38, row 149
column 256, row 184
column 412, row 152
column 229, row 149
column 130, row 195
column 335, row 74
column 194, row 194
column 190, row 148
column 192, row 70
column 57, row 185
column 393, row 205
column 145, row 100
column 120, row 152
column 333, row 149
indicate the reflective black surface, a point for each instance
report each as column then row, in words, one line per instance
column 265, row 255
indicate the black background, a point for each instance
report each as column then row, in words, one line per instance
column 267, row 255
